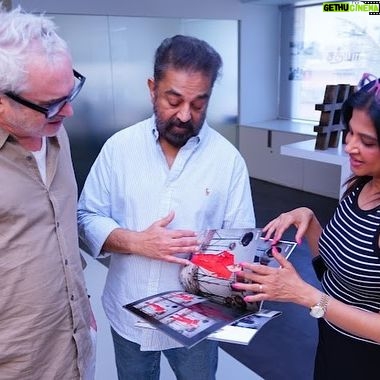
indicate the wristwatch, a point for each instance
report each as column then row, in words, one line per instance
column 319, row 310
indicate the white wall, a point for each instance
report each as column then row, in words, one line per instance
column 259, row 63
column 259, row 42
column 259, row 50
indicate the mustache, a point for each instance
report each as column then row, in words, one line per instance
column 178, row 123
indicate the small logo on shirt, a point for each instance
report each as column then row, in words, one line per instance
column 207, row 191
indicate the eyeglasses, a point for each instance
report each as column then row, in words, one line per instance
column 369, row 83
column 54, row 108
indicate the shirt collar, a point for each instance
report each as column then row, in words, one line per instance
column 5, row 135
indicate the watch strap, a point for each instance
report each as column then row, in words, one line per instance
column 320, row 308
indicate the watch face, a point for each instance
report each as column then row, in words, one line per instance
column 317, row 311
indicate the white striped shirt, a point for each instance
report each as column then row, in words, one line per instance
column 131, row 186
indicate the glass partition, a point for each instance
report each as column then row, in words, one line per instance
column 116, row 55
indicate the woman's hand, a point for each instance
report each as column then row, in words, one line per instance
column 275, row 284
column 300, row 218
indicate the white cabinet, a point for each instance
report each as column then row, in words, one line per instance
column 261, row 148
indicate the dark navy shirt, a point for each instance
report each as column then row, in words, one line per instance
column 349, row 246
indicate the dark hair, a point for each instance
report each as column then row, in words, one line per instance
column 367, row 99
column 189, row 54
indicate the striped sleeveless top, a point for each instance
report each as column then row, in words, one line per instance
column 349, row 247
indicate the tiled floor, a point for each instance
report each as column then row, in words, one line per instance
column 285, row 348
column 276, row 352
column 95, row 274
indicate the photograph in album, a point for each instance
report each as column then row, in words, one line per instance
column 208, row 306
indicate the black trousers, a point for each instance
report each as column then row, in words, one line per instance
column 341, row 357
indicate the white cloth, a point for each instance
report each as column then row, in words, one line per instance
column 131, row 186
column 40, row 156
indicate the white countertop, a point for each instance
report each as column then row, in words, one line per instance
column 306, row 149
column 305, row 128
column 337, row 156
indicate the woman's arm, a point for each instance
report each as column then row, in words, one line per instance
column 285, row 284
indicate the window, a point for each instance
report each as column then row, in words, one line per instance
column 320, row 48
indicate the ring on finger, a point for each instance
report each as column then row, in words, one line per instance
column 260, row 288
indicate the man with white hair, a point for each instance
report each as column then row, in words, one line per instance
column 45, row 313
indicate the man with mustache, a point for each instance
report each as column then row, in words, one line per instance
column 154, row 185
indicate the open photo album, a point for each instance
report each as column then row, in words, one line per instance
column 208, row 306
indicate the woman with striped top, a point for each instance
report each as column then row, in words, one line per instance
column 346, row 252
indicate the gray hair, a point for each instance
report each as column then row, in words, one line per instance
column 23, row 36
column 187, row 53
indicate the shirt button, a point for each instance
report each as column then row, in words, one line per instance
column 57, row 224
column 66, row 262
column 75, row 330
column 72, row 297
